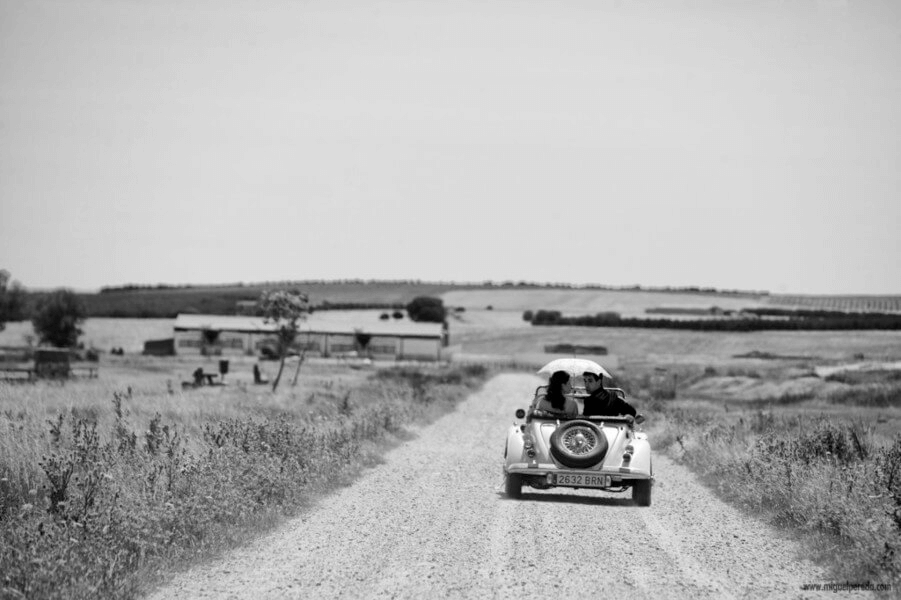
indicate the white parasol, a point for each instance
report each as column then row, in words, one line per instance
column 573, row 366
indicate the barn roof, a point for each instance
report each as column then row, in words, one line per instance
column 338, row 322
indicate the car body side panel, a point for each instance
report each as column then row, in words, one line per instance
column 514, row 450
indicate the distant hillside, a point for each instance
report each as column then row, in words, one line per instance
column 158, row 302
column 165, row 301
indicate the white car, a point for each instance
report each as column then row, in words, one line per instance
column 546, row 450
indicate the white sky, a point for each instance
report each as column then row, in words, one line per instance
column 744, row 144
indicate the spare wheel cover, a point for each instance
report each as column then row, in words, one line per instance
column 578, row 444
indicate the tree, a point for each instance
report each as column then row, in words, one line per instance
column 210, row 337
column 57, row 317
column 286, row 309
column 361, row 341
column 426, row 308
column 12, row 299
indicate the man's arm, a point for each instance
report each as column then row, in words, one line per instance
column 624, row 408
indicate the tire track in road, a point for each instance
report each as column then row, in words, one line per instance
column 432, row 521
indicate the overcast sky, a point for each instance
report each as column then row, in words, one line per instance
column 746, row 144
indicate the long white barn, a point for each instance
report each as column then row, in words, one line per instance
column 323, row 333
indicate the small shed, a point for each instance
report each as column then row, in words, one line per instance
column 165, row 347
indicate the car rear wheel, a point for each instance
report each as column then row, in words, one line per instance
column 578, row 444
column 641, row 492
column 513, row 485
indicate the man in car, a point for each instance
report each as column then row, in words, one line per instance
column 603, row 403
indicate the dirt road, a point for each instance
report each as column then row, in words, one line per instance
column 432, row 522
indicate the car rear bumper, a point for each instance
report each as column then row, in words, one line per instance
column 549, row 473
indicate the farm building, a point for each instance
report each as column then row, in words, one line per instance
column 323, row 333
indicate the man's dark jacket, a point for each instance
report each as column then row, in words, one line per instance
column 602, row 403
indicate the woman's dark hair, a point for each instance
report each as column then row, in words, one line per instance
column 555, row 389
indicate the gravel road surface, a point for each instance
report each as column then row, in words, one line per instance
column 433, row 522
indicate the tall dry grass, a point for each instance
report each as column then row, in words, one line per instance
column 836, row 481
column 99, row 487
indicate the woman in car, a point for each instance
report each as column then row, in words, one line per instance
column 556, row 400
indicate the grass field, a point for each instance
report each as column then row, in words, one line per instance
column 744, row 410
column 504, row 332
column 825, row 465
column 885, row 304
column 107, row 483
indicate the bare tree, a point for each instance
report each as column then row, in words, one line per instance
column 300, row 360
column 286, row 309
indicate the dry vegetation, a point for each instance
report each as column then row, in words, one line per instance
column 105, row 483
column 825, row 463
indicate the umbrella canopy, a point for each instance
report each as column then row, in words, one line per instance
column 573, row 366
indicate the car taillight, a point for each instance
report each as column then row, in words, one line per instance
column 530, row 447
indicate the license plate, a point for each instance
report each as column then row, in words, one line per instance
column 583, row 480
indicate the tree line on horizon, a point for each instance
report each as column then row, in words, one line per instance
column 490, row 284
column 752, row 319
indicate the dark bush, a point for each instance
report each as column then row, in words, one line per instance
column 528, row 315
column 57, row 318
column 547, row 317
column 427, row 309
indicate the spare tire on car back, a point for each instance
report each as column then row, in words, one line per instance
column 578, row 444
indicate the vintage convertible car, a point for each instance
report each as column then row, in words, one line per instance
column 546, row 450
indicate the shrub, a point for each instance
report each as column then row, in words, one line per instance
column 57, row 318
column 528, row 315
column 547, row 317
column 427, row 309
